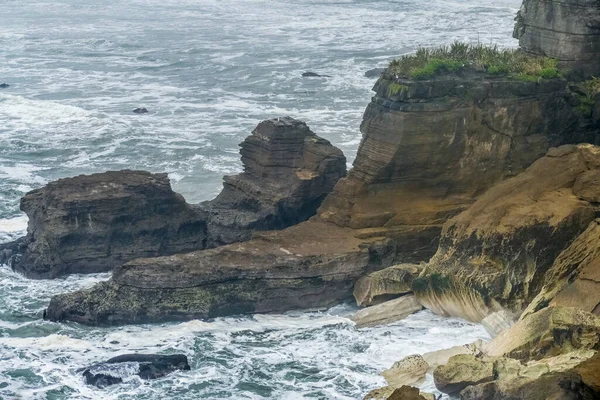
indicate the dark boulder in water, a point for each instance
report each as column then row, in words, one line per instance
column 146, row 366
column 4, row 85
column 374, row 73
column 142, row 110
column 314, row 75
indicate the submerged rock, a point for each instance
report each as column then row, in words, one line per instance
column 92, row 223
column 494, row 255
column 142, row 110
column 146, row 366
column 288, row 171
column 4, row 85
column 314, row 75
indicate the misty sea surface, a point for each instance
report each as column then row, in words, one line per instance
column 208, row 71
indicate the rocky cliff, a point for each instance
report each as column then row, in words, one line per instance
column 495, row 254
column 94, row 223
column 567, row 30
column 430, row 148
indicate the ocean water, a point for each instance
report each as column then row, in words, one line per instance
column 208, row 71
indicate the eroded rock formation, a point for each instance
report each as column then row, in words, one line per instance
column 496, row 254
column 567, row 30
column 288, row 171
column 96, row 222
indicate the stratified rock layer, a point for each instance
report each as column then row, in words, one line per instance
column 430, row 148
column 495, row 254
column 288, row 171
column 567, row 30
column 92, row 223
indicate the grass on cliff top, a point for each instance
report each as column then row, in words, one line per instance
column 426, row 63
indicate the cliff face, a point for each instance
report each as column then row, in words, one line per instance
column 430, row 148
column 567, row 30
column 496, row 253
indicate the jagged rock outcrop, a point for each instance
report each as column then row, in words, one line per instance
column 313, row 264
column 431, row 148
column 92, row 223
column 387, row 312
column 408, row 371
column 567, row 30
column 574, row 278
column 384, row 285
column 496, row 254
column 288, row 171
column 402, row 393
column 461, row 371
column 96, row 222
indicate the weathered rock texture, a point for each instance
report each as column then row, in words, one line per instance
column 461, row 371
column 408, row 371
column 430, row 148
column 387, row 312
column 288, row 171
column 495, row 255
column 567, row 30
column 574, row 278
column 402, row 393
column 92, row 223
column 313, row 264
column 384, row 285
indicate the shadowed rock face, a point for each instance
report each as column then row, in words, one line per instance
column 567, row 30
column 92, row 223
column 495, row 254
column 288, row 171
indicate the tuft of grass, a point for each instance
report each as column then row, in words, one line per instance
column 589, row 89
column 429, row 62
column 395, row 88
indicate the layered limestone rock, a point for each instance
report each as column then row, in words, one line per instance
column 574, row 278
column 567, row 30
column 384, row 285
column 92, row 223
column 388, row 312
column 408, row 371
column 495, row 255
column 97, row 222
column 313, row 264
column 461, row 371
column 288, row 171
column 402, row 393
column 430, row 148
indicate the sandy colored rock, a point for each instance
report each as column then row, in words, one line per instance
column 389, row 283
column 574, row 278
column 461, row 371
column 402, row 393
column 388, row 312
column 494, row 255
column 408, row 371
column 441, row 357
column 571, row 376
column 498, row 321
column 546, row 333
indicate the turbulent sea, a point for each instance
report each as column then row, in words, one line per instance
column 208, row 71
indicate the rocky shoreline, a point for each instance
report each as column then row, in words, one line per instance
column 474, row 195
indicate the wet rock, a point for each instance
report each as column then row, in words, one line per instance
column 485, row 261
column 314, row 75
column 402, row 393
column 141, row 110
column 384, row 285
column 388, row 312
column 92, row 223
column 4, row 85
column 146, row 366
column 288, row 171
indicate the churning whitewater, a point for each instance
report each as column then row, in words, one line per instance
column 208, row 71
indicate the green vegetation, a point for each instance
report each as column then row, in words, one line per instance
column 429, row 62
column 437, row 282
column 395, row 88
column 588, row 91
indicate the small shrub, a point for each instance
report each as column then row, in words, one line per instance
column 589, row 90
column 395, row 88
